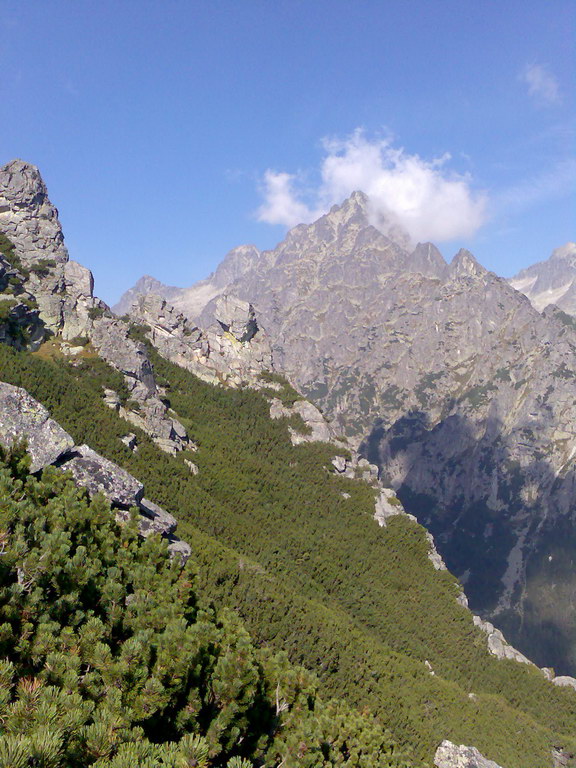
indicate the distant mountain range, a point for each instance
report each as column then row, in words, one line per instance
column 552, row 281
column 451, row 381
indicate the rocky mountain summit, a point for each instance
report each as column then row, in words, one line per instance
column 454, row 384
column 552, row 281
column 145, row 286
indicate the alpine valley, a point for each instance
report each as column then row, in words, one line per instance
column 227, row 511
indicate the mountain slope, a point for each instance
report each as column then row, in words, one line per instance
column 457, row 387
column 314, row 560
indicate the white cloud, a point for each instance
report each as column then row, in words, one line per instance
column 542, row 85
column 281, row 204
column 424, row 197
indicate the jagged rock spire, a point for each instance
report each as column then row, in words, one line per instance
column 27, row 217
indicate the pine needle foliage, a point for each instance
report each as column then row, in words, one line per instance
column 108, row 660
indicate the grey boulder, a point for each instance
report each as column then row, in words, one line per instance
column 99, row 475
column 21, row 416
column 155, row 519
column 449, row 755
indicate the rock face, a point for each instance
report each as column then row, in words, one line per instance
column 452, row 383
column 233, row 350
column 27, row 216
column 450, row 755
column 62, row 289
column 23, row 417
column 552, row 281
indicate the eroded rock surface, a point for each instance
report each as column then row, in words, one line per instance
column 23, row 417
column 99, row 475
column 449, row 755
column 232, row 350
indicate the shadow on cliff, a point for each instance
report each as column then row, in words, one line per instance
column 460, row 480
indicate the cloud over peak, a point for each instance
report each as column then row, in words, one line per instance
column 423, row 196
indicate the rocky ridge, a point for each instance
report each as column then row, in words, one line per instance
column 552, row 281
column 63, row 295
column 24, row 418
column 452, row 383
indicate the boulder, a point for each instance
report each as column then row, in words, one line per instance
column 339, row 463
column 449, row 755
column 158, row 520
column 179, row 548
column 565, row 680
column 130, row 441
column 99, row 475
column 21, row 416
column 111, row 399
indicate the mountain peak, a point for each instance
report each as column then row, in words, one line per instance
column 427, row 260
column 566, row 252
column 359, row 211
column 353, row 209
column 464, row 264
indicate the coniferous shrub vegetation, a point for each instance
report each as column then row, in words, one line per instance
column 310, row 571
column 110, row 660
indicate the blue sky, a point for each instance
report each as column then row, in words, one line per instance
column 169, row 132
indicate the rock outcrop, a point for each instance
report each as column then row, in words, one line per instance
column 27, row 217
column 497, row 643
column 24, row 418
column 111, row 338
column 232, row 350
column 145, row 286
column 61, row 289
column 315, row 426
column 449, row 755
